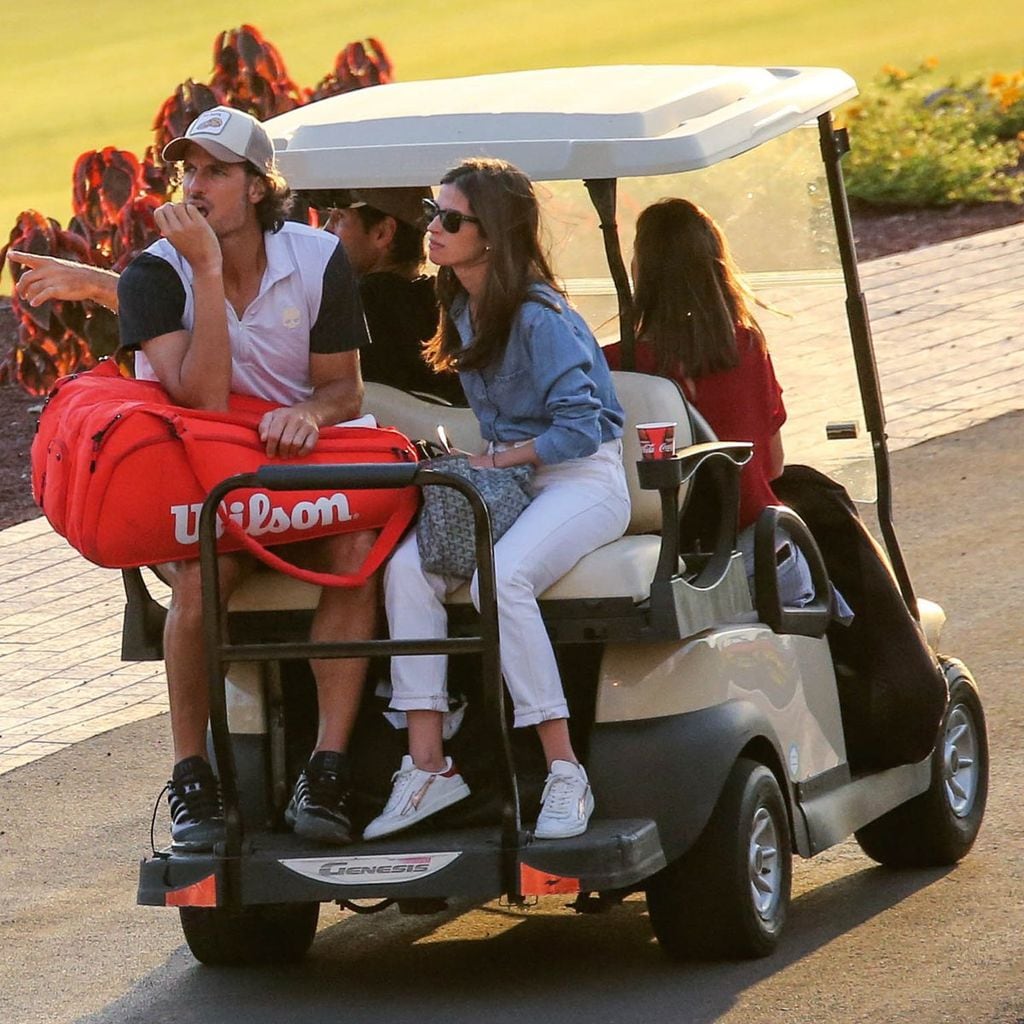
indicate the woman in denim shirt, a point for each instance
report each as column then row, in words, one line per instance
column 542, row 391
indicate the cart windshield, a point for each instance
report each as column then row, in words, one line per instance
column 774, row 206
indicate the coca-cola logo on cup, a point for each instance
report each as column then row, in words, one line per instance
column 657, row 440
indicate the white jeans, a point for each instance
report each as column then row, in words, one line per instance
column 579, row 506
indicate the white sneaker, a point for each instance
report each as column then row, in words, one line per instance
column 415, row 795
column 566, row 803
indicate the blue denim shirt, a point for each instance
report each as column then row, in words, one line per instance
column 552, row 383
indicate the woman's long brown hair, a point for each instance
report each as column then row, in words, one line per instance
column 504, row 200
column 689, row 298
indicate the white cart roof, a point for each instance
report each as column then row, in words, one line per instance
column 561, row 123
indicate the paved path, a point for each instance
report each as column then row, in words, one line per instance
column 948, row 324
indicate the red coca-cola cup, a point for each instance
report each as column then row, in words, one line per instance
column 657, row 440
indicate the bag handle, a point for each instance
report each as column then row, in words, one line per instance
column 388, row 537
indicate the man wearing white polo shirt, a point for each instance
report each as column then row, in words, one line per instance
column 233, row 299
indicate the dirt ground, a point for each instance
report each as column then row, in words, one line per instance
column 877, row 234
column 882, row 233
column 18, row 413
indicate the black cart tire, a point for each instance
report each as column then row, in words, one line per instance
column 276, row 933
column 728, row 897
column 939, row 827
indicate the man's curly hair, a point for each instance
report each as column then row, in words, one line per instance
column 273, row 209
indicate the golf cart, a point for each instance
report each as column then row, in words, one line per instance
column 749, row 715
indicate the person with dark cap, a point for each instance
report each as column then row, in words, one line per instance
column 234, row 299
column 383, row 231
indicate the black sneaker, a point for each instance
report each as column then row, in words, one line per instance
column 318, row 808
column 193, row 795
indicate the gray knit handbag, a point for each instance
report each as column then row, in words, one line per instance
column 444, row 530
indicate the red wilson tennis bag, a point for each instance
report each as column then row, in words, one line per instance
column 121, row 472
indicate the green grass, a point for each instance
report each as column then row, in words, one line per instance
column 76, row 76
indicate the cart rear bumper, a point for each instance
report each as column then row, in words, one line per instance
column 280, row 868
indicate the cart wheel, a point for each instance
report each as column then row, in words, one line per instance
column 729, row 895
column 939, row 826
column 274, row 933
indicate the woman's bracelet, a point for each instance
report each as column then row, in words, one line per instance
column 494, row 462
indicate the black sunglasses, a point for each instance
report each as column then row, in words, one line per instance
column 451, row 220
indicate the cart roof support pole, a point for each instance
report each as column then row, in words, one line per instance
column 834, row 145
column 602, row 195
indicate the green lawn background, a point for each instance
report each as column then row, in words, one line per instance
column 76, row 76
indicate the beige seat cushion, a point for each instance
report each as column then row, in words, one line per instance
column 269, row 591
column 623, row 568
column 418, row 419
column 648, row 399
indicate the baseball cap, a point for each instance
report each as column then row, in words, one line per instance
column 229, row 135
column 405, row 204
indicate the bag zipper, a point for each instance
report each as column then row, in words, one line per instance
column 101, row 436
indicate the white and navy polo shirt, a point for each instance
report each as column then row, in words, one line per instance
column 308, row 302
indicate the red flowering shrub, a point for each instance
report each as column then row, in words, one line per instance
column 115, row 194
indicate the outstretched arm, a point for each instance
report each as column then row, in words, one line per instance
column 48, row 277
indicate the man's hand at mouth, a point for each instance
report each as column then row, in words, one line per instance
column 184, row 226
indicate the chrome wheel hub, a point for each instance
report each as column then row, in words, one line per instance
column 765, row 870
column 960, row 761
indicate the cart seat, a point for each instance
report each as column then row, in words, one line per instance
column 621, row 569
column 624, row 568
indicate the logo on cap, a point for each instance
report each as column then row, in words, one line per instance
column 212, row 124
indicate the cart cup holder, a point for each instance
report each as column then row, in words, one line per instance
column 667, row 477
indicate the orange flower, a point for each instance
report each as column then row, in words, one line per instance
column 1010, row 96
column 930, row 63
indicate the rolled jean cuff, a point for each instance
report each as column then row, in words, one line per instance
column 534, row 716
column 439, row 702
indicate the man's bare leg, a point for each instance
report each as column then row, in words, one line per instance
column 187, row 687
column 193, row 797
column 344, row 614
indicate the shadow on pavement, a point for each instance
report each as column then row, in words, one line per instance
column 492, row 964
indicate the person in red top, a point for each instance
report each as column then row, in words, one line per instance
column 694, row 325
